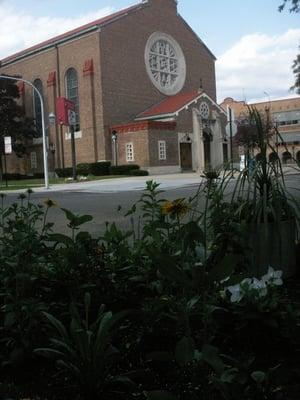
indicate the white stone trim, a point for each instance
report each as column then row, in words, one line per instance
column 77, row 135
column 178, row 84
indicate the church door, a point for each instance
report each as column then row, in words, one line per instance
column 207, row 150
column 186, row 155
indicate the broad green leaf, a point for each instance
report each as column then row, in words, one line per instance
column 258, row 376
column 49, row 353
column 80, row 220
column 229, row 375
column 60, row 238
column 160, row 395
column 224, row 269
column 162, row 356
column 185, row 350
column 69, row 215
column 168, row 267
column 57, row 325
column 210, row 356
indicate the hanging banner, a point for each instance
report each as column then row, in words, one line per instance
column 63, row 106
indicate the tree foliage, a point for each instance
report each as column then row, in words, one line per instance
column 296, row 70
column 293, row 4
column 13, row 121
column 294, row 7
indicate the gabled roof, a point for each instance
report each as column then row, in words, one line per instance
column 71, row 34
column 170, row 105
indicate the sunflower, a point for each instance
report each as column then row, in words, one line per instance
column 50, row 203
column 174, row 208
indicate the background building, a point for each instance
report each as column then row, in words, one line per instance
column 284, row 114
column 140, row 73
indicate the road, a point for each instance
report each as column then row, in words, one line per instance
column 104, row 206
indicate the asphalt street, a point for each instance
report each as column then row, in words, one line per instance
column 103, row 206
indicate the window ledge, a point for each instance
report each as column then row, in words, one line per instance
column 77, row 135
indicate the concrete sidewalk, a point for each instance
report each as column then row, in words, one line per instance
column 124, row 184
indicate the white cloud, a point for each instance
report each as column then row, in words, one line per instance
column 258, row 63
column 19, row 30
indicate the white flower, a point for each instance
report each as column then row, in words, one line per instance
column 260, row 286
column 236, row 293
column 273, row 277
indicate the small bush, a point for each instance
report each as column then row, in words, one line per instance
column 138, row 172
column 13, row 177
column 123, row 169
column 100, row 168
column 64, row 172
column 83, row 169
column 38, row 175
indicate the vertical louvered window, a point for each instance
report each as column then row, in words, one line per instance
column 37, row 106
column 72, row 92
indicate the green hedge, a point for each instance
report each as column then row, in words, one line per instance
column 18, row 177
column 100, row 168
column 123, row 169
column 83, row 169
column 138, row 172
column 64, row 172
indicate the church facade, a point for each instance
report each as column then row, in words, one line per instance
column 141, row 77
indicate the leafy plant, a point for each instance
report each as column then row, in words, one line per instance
column 84, row 353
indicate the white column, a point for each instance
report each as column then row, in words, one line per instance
column 198, row 146
column 217, row 157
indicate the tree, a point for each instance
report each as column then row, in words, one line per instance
column 13, row 121
column 296, row 70
column 294, row 7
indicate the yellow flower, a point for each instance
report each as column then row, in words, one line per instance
column 177, row 207
column 50, row 203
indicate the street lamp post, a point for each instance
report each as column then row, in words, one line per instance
column 114, row 138
column 45, row 155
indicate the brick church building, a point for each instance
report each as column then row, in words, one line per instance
column 140, row 75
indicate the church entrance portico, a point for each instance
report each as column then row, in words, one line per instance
column 199, row 123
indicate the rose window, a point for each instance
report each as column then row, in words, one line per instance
column 165, row 63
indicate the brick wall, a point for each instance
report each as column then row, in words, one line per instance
column 127, row 89
column 141, row 147
column 171, row 139
column 120, row 88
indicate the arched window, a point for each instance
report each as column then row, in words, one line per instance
column 37, row 106
column 286, row 157
column 273, row 157
column 72, row 92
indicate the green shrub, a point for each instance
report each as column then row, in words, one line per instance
column 38, row 175
column 100, row 168
column 138, row 172
column 123, row 169
column 13, row 177
column 64, row 172
column 83, row 169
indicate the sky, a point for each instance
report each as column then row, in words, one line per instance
column 255, row 45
